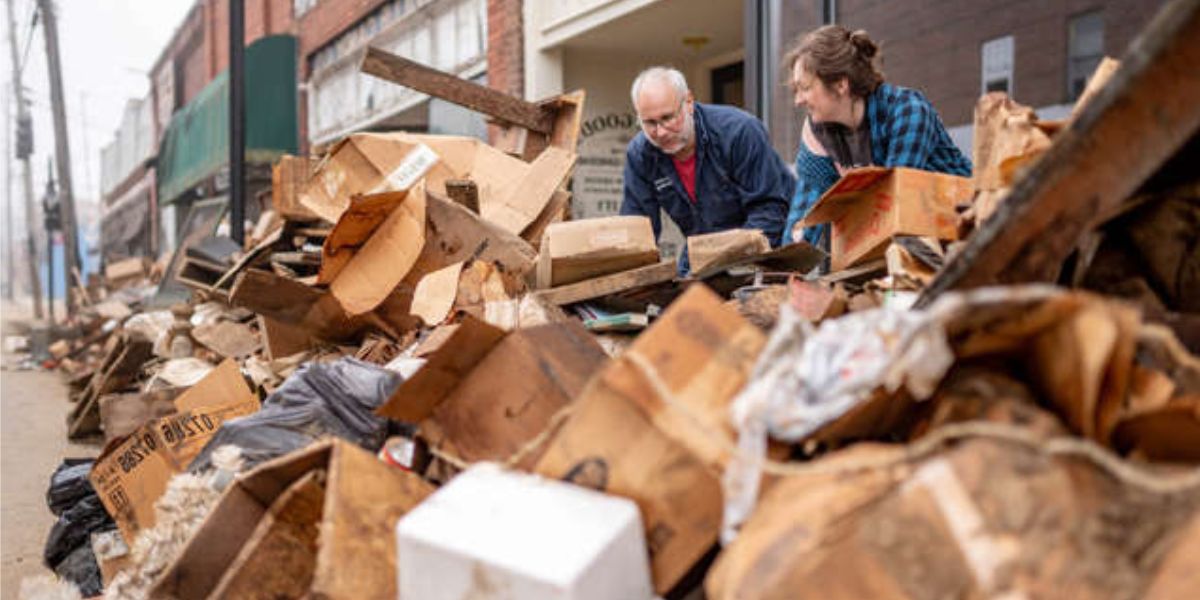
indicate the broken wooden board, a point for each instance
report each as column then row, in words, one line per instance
column 479, row 98
column 609, row 284
column 1130, row 128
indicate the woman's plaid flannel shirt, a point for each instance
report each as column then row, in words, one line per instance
column 905, row 132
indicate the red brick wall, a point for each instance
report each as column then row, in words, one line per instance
column 934, row 45
column 505, row 50
column 505, row 46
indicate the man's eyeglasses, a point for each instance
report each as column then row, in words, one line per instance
column 665, row 121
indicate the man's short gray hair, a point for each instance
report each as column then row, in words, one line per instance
column 667, row 74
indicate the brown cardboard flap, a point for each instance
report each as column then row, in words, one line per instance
column 577, row 250
column 362, row 217
column 416, row 398
column 510, row 397
column 843, row 194
column 435, row 294
column 666, row 454
column 280, row 556
column 131, row 474
column 356, row 556
column 365, row 163
column 385, row 258
column 516, row 209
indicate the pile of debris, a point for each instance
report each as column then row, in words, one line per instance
column 415, row 318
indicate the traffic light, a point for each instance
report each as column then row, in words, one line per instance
column 24, row 136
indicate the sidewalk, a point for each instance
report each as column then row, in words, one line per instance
column 33, row 440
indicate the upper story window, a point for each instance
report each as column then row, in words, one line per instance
column 997, row 65
column 1085, row 49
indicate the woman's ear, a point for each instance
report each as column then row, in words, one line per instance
column 843, row 86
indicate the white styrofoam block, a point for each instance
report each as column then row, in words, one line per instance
column 501, row 535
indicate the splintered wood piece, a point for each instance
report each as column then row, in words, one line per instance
column 1127, row 131
column 464, row 192
column 480, row 98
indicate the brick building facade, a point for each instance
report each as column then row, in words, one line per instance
column 942, row 47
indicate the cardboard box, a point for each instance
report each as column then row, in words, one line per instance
column 964, row 522
column 712, row 249
column 513, row 393
column 288, row 177
column 868, row 206
column 365, row 163
column 575, row 544
column 485, row 393
column 260, row 540
column 577, row 250
column 665, row 454
column 132, row 473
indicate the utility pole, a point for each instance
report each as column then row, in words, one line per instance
column 24, row 149
column 9, row 262
column 237, row 123
column 62, row 151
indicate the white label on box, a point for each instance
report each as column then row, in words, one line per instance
column 419, row 160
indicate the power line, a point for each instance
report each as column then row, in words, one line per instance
column 33, row 19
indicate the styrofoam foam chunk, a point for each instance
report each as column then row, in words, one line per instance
column 499, row 535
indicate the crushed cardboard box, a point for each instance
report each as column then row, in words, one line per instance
column 869, row 205
column 131, row 474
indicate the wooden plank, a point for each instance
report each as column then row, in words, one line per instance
column 479, row 98
column 609, row 284
column 1128, row 130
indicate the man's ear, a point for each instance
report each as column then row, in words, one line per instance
column 843, row 86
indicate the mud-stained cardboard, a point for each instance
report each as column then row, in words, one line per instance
column 867, row 206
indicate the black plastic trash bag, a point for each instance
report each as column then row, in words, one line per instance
column 80, row 568
column 69, row 484
column 318, row 400
column 74, row 528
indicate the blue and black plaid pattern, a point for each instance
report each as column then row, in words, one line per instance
column 905, row 132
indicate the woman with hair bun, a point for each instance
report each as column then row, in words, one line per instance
column 855, row 119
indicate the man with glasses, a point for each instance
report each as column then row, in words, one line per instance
column 710, row 167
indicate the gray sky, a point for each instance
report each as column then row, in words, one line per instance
column 107, row 48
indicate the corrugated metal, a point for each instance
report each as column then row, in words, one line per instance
column 196, row 143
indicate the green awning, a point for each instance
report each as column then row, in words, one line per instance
column 196, row 143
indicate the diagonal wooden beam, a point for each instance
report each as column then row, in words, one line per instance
column 1146, row 113
column 479, row 98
